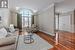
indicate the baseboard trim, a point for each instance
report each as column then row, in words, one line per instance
column 47, row 32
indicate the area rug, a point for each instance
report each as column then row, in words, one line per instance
column 39, row 44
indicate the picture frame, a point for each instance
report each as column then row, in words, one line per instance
column 3, row 3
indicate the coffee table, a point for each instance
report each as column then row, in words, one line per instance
column 28, row 39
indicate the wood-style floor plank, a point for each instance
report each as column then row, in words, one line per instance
column 50, row 39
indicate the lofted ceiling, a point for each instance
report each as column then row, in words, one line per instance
column 34, row 5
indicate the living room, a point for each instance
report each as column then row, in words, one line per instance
column 37, row 24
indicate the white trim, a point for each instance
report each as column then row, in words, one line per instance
column 48, row 32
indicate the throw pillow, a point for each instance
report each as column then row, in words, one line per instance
column 3, row 32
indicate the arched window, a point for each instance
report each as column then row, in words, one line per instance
column 26, row 17
column 26, row 12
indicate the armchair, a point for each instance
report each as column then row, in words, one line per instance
column 32, row 29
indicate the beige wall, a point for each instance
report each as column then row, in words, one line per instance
column 45, row 20
column 13, row 17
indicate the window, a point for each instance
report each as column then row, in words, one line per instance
column 26, row 17
column 25, row 12
column 4, row 4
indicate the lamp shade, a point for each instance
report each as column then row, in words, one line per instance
column 11, row 25
column 26, row 33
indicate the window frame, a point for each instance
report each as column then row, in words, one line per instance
column 29, row 13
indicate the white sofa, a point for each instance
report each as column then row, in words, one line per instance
column 8, row 42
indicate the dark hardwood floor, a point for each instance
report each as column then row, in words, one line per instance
column 66, row 41
column 50, row 39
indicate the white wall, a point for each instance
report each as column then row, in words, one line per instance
column 8, row 14
column 8, row 17
column 5, row 16
column 12, row 8
column 66, row 21
column 46, row 20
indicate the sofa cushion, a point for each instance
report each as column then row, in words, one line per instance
column 10, row 34
column 9, row 47
column 7, row 40
column 3, row 32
